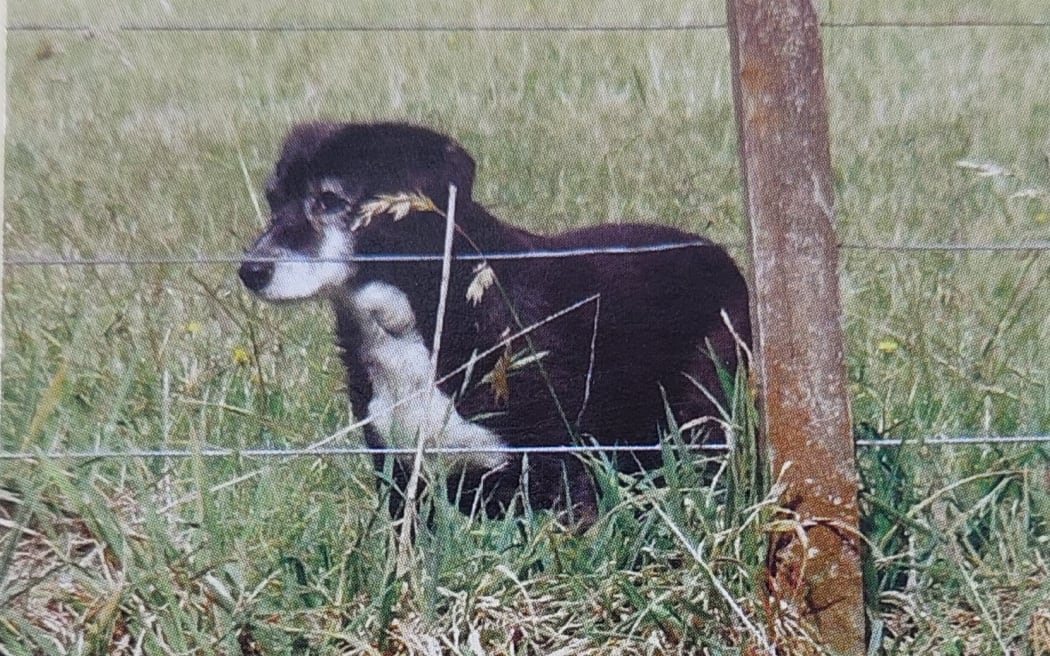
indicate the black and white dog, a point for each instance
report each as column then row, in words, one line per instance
column 606, row 371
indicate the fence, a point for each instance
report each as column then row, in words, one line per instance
column 322, row 449
column 112, row 261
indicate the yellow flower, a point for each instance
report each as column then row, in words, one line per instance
column 193, row 327
column 888, row 345
column 242, row 357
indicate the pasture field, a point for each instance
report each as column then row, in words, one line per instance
column 153, row 144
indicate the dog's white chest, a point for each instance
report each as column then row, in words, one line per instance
column 405, row 404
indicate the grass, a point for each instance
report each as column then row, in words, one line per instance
column 133, row 143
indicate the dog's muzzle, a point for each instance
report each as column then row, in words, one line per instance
column 256, row 275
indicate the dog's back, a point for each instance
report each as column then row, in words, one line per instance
column 660, row 331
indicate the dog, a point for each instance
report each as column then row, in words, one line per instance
column 596, row 336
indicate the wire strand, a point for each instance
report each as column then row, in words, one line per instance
column 501, row 28
column 423, row 29
column 327, row 451
column 121, row 260
column 954, row 440
column 270, row 452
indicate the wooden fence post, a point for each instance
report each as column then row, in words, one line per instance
column 814, row 564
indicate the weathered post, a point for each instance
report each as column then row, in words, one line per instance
column 814, row 564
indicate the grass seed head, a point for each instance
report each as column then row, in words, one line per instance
column 484, row 276
column 397, row 205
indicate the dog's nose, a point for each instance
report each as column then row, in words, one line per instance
column 255, row 275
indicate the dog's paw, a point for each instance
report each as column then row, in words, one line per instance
column 388, row 307
column 395, row 320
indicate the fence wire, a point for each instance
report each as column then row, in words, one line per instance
column 331, row 451
column 502, row 28
column 124, row 260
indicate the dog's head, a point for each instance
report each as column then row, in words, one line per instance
column 326, row 175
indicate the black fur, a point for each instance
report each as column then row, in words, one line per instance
column 659, row 319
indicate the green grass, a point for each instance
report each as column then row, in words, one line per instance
column 134, row 143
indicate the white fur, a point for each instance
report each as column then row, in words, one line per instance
column 398, row 363
column 328, row 270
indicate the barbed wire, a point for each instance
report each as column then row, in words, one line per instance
column 503, row 28
column 330, row 451
column 934, row 24
column 953, row 440
column 1032, row 246
column 420, row 28
column 362, row 257
column 270, row 452
column 122, row 260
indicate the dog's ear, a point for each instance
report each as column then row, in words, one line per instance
column 305, row 140
column 446, row 163
column 396, row 157
column 376, row 158
column 301, row 147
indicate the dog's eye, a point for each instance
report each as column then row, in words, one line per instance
column 328, row 202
